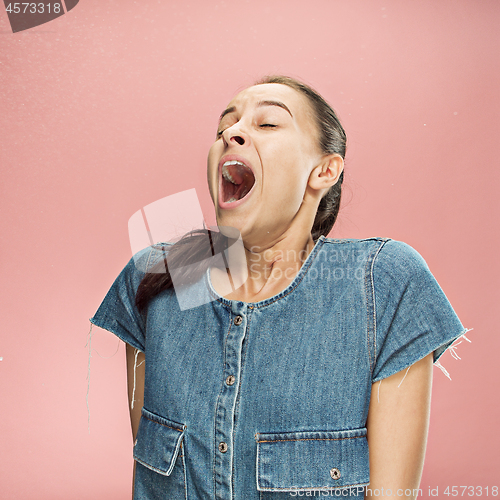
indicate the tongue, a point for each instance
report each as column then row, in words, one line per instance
column 236, row 172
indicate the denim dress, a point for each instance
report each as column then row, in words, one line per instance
column 269, row 400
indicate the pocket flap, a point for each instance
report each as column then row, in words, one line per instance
column 292, row 461
column 158, row 442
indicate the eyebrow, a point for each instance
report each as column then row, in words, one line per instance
column 275, row 103
column 232, row 109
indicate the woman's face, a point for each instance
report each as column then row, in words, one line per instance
column 261, row 161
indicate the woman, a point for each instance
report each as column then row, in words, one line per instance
column 273, row 389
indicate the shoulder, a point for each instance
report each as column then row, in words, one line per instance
column 399, row 268
column 389, row 259
column 400, row 256
column 385, row 252
column 342, row 245
column 146, row 259
column 400, row 261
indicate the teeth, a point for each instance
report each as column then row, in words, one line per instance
column 225, row 171
column 233, row 162
column 226, row 174
column 231, row 200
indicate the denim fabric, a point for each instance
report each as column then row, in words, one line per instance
column 304, row 362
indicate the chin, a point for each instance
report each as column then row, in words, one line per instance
column 224, row 220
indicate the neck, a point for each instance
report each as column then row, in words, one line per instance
column 270, row 268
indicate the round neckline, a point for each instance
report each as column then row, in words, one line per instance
column 292, row 285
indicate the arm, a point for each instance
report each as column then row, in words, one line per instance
column 138, row 394
column 397, row 425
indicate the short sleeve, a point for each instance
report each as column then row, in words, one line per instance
column 118, row 313
column 413, row 315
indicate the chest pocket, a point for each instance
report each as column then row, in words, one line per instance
column 158, row 442
column 295, row 461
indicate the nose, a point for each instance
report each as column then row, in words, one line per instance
column 234, row 135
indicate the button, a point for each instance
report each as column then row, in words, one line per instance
column 230, row 380
column 223, row 447
column 238, row 320
column 335, row 473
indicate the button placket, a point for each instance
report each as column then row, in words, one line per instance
column 226, row 403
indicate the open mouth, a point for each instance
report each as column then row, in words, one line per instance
column 237, row 181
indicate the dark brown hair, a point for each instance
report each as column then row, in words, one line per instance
column 191, row 251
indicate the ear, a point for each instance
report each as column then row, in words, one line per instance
column 326, row 173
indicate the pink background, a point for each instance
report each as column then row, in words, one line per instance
column 114, row 106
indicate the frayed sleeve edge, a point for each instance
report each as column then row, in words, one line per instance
column 114, row 331
column 438, row 351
